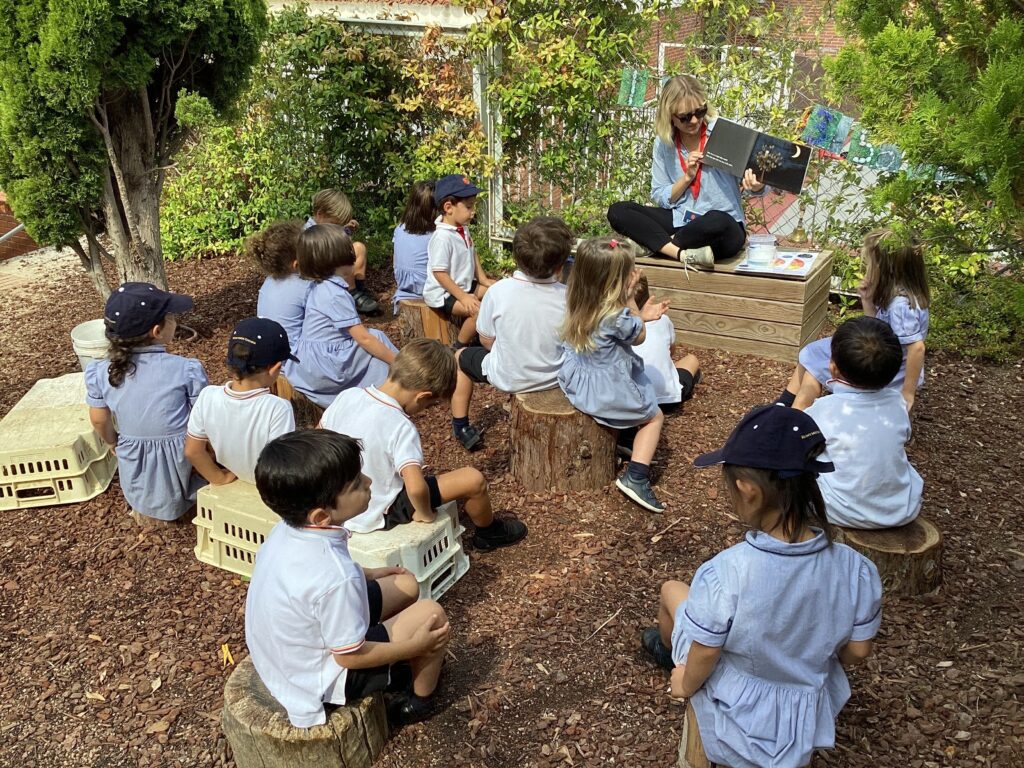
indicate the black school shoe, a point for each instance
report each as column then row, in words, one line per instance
column 506, row 533
column 365, row 303
column 660, row 655
column 408, row 708
column 468, row 435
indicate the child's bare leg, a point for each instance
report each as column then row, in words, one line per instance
column 793, row 387
column 359, row 268
column 425, row 669
column 810, row 390
column 398, row 592
column 689, row 363
column 468, row 484
column 672, row 594
column 468, row 330
column 646, row 441
column 463, row 393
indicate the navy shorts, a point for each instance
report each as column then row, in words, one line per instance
column 360, row 683
column 471, row 363
column 402, row 510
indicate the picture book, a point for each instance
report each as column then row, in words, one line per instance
column 787, row 263
column 777, row 162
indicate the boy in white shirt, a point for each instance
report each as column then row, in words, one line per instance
column 455, row 279
column 866, row 428
column 422, row 375
column 673, row 380
column 320, row 628
column 230, row 424
column 519, row 323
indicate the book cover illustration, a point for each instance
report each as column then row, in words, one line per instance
column 777, row 162
column 785, row 264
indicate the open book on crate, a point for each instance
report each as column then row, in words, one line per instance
column 786, row 263
column 777, row 162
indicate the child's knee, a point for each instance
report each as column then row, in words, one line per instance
column 478, row 482
column 406, row 583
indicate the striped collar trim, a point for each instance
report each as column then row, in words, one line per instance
column 247, row 395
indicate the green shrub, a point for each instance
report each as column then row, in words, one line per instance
column 982, row 318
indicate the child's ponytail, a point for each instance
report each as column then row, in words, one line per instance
column 120, row 356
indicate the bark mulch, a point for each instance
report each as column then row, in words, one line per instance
column 111, row 636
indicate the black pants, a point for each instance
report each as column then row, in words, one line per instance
column 652, row 228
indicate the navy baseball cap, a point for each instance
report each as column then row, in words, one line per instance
column 454, row 185
column 266, row 341
column 773, row 437
column 134, row 308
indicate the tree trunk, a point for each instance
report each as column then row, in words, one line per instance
column 555, row 447
column 91, row 263
column 132, row 203
column 908, row 558
column 260, row 735
column 416, row 320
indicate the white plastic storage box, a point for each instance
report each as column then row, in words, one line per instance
column 49, row 452
column 232, row 522
column 432, row 552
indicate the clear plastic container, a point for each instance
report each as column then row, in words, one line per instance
column 761, row 249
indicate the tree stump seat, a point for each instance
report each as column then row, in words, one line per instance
column 257, row 728
column 555, row 447
column 691, row 748
column 908, row 558
column 416, row 320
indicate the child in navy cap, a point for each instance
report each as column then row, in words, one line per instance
column 455, row 280
column 759, row 639
column 148, row 393
column 230, row 424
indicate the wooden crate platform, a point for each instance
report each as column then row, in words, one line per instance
column 769, row 316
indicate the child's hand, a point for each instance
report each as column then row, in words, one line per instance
column 634, row 278
column 653, row 310
column 224, row 478
column 352, row 225
column 430, row 640
column 372, row 574
column 472, row 304
column 423, row 517
column 677, row 682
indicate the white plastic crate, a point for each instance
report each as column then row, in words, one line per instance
column 432, row 552
column 231, row 523
column 49, row 452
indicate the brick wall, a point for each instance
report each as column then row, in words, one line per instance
column 20, row 243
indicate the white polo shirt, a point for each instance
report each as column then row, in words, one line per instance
column 239, row 424
column 390, row 444
column 524, row 316
column 866, row 432
column 656, row 351
column 307, row 601
column 451, row 252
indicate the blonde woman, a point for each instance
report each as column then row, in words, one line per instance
column 698, row 218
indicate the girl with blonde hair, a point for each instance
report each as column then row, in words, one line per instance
column 698, row 217
column 601, row 375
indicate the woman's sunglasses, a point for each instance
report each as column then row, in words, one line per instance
column 688, row 116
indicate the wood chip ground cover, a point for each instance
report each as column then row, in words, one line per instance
column 111, row 638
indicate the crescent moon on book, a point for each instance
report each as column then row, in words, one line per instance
column 797, row 153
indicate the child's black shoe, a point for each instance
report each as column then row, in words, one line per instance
column 408, row 708
column 501, row 533
column 365, row 303
column 651, row 641
column 468, row 435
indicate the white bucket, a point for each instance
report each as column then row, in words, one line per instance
column 90, row 341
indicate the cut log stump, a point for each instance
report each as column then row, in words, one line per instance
column 908, row 558
column 307, row 413
column 417, row 320
column 260, row 735
column 691, row 748
column 555, row 447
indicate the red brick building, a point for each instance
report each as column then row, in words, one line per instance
column 19, row 243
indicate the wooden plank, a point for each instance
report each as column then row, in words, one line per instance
column 784, row 352
column 734, row 306
column 821, row 274
column 740, row 327
column 811, row 332
column 659, row 276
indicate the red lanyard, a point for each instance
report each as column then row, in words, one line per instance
column 695, row 184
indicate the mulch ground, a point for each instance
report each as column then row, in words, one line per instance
column 110, row 636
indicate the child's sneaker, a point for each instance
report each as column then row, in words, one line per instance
column 365, row 303
column 468, row 435
column 661, row 655
column 640, row 491
column 505, row 533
